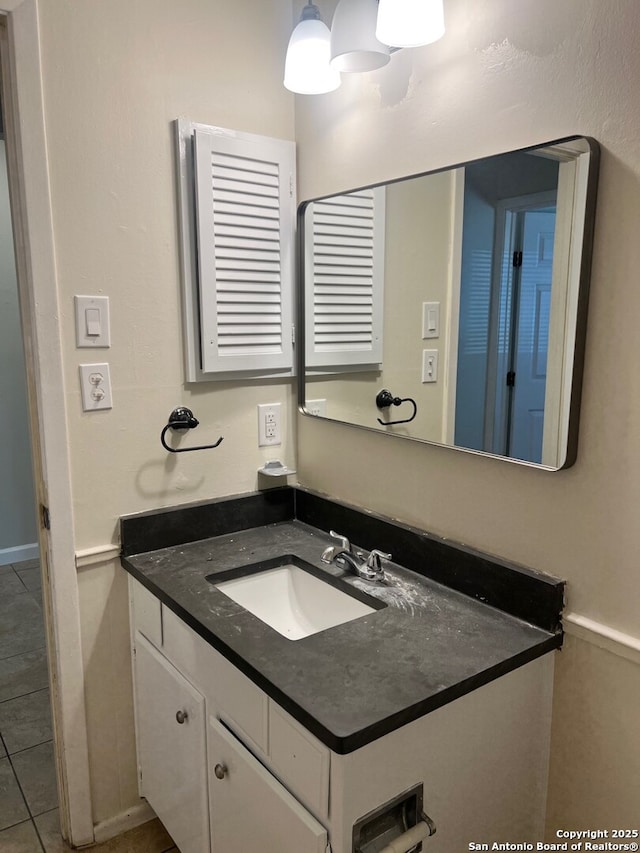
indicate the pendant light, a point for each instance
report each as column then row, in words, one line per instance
column 410, row 23
column 354, row 46
column 307, row 70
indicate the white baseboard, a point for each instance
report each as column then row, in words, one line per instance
column 135, row 816
column 18, row 554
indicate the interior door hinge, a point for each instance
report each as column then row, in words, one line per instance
column 511, row 379
column 290, row 185
column 45, row 518
column 517, row 259
column 293, row 333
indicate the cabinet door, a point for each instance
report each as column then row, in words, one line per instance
column 250, row 810
column 172, row 754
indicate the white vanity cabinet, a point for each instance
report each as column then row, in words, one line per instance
column 200, row 724
column 172, row 748
column 240, row 775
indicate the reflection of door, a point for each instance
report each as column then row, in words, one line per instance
column 531, row 310
column 519, row 326
column 505, row 300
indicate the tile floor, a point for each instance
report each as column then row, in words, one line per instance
column 28, row 795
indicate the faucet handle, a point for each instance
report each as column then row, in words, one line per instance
column 374, row 558
column 344, row 542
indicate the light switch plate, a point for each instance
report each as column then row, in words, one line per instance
column 429, row 365
column 92, row 321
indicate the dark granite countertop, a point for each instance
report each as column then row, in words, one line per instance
column 358, row 681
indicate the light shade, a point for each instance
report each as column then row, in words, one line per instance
column 354, row 46
column 307, row 70
column 410, row 23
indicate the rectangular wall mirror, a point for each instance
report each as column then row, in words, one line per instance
column 450, row 307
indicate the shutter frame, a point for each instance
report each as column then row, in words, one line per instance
column 252, row 268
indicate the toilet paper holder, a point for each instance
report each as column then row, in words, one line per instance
column 397, row 826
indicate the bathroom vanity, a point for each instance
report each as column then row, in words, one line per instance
column 433, row 703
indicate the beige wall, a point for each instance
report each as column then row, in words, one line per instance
column 508, row 75
column 115, row 75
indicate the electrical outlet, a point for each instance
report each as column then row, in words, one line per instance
column 95, row 385
column 316, row 407
column 429, row 365
column 269, row 425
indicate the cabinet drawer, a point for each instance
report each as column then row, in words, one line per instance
column 300, row 761
column 147, row 613
column 242, row 705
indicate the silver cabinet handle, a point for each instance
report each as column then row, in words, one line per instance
column 220, row 770
column 182, row 717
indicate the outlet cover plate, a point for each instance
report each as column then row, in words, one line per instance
column 269, row 433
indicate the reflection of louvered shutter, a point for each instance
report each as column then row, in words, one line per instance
column 244, row 213
column 344, row 275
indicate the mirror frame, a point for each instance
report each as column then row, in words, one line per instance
column 577, row 371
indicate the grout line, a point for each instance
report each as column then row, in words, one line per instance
column 18, row 654
column 19, row 823
column 27, row 748
column 26, row 802
column 17, row 781
column 22, row 582
column 22, row 695
column 24, row 651
column 35, row 826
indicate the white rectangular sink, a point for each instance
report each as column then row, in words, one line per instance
column 293, row 601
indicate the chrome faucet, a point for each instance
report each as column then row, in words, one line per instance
column 369, row 568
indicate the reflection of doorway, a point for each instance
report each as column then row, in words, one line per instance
column 519, row 326
column 504, row 309
column 476, row 389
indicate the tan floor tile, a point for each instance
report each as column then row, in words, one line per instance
column 49, row 828
column 26, row 721
column 23, row 673
column 151, row 837
column 36, row 772
column 12, row 805
column 21, row 838
column 21, row 625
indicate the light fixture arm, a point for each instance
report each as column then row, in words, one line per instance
column 310, row 12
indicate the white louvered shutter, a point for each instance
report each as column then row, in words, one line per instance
column 344, row 280
column 245, row 214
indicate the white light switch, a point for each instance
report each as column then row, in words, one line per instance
column 430, row 320
column 92, row 316
column 92, row 321
column 95, row 384
column 429, row 365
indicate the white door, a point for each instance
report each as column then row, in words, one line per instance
column 531, row 341
column 171, row 753
column 251, row 812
